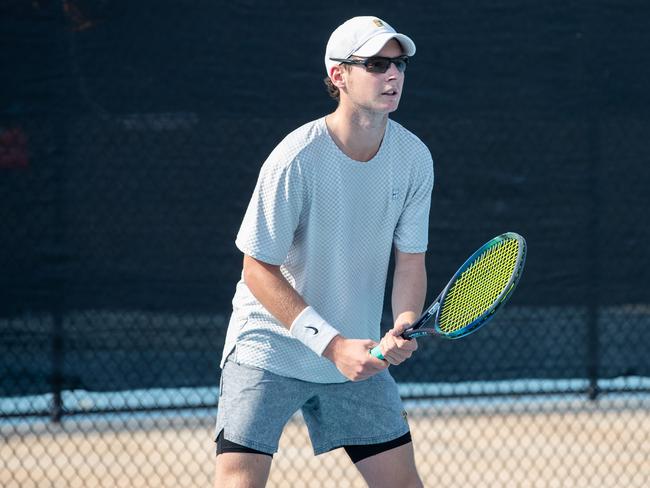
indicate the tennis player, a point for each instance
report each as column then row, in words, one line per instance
column 332, row 202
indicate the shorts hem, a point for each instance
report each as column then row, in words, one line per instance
column 258, row 446
column 357, row 441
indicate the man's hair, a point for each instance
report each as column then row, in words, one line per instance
column 332, row 90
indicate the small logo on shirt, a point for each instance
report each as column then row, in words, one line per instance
column 378, row 22
column 314, row 329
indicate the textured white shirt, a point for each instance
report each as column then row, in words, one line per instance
column 331, row 223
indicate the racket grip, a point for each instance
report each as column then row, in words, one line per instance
column 376, row 352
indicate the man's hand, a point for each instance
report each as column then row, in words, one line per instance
column 352, row 358
column 394, row 348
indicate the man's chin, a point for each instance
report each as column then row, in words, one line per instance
column 387, row 107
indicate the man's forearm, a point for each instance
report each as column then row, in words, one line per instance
column 273, row 291
column 276, row 294
column 409, row 287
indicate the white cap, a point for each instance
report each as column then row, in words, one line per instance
column 363, row 37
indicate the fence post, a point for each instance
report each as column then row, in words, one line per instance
column 60, row 108
column 56, row 407
column 593, row 259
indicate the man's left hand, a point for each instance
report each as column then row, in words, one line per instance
column 394, row 348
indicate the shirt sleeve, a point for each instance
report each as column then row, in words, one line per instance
column 412, row 230
column 273, row 212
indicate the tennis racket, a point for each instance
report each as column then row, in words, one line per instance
column 473, row 295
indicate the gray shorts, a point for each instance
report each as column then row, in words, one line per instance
column 255, row 405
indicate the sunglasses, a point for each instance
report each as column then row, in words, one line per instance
column 377, row 64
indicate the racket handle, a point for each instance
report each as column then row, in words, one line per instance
column 376, row 352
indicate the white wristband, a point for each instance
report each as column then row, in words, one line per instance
column 312, row 330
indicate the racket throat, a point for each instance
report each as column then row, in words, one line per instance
column 423, row 320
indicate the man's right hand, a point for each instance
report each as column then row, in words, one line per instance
column 352, row 358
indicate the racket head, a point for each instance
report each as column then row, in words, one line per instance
column 481, row 286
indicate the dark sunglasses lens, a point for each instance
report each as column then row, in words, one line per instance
column 400, row 64
column 378, row 65
column 381, row 65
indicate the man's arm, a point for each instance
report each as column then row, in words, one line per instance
column 409, row 293
column 271, row 288
column 267, row 283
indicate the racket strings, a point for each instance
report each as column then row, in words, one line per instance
column 478, row 288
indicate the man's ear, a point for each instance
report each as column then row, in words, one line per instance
column 336, row 75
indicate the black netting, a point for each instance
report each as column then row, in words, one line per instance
column 131, row 136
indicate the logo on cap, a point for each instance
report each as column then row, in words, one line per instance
column 378, row 23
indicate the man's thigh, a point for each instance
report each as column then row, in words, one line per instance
column 355, row 413
column 255, row 405
column 236, row 469
column 395, row 467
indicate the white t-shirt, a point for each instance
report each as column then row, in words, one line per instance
column 331, row 223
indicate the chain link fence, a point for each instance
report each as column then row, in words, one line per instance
column 131, row 135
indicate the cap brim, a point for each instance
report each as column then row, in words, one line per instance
column 376, row 44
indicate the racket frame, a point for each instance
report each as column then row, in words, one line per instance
column 420, row 327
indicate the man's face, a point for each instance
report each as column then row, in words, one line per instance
column 376, row 92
